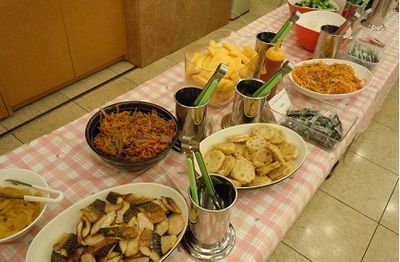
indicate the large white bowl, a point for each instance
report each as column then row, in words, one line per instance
column 41, row 247
column 291, row 137
column 360, row 71
column 29, row 177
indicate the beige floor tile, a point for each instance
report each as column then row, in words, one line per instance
column 362, row 185
column 8, row 142
column 384, row 247
column 2, row 129
column 141, row 75
column 394, row 92
column 34, row 109
column 283, row 253
column 88, row 83
column 49, row 122
column 105, row 93
column 388, row 115
column 121, row 67
column 379, row 144
column 390, row 218
column 328, row 230
column 177, row 56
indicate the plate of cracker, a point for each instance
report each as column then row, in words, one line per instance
column 254, row 155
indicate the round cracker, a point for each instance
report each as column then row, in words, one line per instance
column 227, row 166
column 288, row 150
column 262, row 157
column 214, row 159
column 243, row 171
column 255, row 143
column 226, row 148
column 260, row 180
column 278, row 137
column 238, row 138
column 265, row 131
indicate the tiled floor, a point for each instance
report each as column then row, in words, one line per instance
column 354, row 216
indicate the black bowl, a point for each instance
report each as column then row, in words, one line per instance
column 92, row 129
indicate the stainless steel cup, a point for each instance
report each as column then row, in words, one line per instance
column 263, row 42
column 247, row 109
column 210, row 235
column 192, row 120
column 328, row 42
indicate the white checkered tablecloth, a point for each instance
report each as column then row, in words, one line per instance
column 261, row 217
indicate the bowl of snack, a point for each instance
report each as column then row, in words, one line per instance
column 226, row 47
column 254, row 155
column 18, row 215
column 132, row 135
column 304, row 6
column 140, row 221
column 308, row 27
column 330, row 79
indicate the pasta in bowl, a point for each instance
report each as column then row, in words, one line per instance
column 330, row 79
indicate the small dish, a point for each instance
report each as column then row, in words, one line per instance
column 26, row 176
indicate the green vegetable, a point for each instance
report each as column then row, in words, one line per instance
column 321, row 4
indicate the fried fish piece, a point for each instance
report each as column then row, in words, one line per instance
column 153, row 212
column 94, row 211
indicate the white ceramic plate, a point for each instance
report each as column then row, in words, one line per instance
column 29, row 177
column 41, row 247
column 360, row 71
column 291, row 137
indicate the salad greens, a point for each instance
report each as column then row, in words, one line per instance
column 321, row 4
column 359, row 2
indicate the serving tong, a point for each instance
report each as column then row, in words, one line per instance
column 266, row 88
column 190, row 146
column 48, row 200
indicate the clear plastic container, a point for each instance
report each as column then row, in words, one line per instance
column 364, row 54
column 201, row 59
column 312, row 130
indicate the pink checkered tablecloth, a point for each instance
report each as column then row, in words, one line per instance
column 261, row 217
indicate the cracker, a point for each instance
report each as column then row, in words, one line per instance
column 238, row 138
column 278, row 137
column 265, row 131
column 235, row 182
column 288, row 150
column 281, row 171
column 265, row 170
column 214, row 159
column 262, row 157
column 227, row 167
column 255, row 143
column 226, row 148
column 243, row 171
column 276, row 152
column 260, row 180
column 239, row 150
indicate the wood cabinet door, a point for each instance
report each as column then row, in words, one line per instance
column 96, row 33
column 34, row 54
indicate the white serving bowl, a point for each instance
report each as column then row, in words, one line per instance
column 42, row 245
column 360, row 72
column 29, row 177
column 291, row 137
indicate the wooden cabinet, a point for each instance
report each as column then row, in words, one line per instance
column 96, row 33
column 47, row 44
column 34, row 53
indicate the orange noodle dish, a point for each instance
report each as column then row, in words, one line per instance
column 134, row 135
column 327, row 79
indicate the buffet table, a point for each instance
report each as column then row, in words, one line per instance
column 260, row 217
